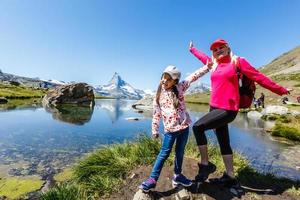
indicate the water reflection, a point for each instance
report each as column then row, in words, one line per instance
column 115, row 108
column 37, row 144
column 78, row 115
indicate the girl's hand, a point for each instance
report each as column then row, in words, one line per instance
column 155, row 136
column 191, row 45
column 209, row 64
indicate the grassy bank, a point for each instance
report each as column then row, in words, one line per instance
column 102, row 97
column 198, row 98
column 286, row 126
column 21, row 103
column 20, row 92
column 102, row 172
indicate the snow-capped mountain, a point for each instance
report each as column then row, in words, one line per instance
column 55, row 81
column 149, row 92
column 29, row 82
column 118, row 88
column 198, row 87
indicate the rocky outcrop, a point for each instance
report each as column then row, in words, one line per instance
column 279, row 110
column 3, row 100
column 144, row 104
column 78, row 94
column 254, row 115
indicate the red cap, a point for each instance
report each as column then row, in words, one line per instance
column 217, row 43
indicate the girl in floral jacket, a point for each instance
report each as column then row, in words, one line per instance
column 170, row 106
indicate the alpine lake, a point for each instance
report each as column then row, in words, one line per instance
column 39, row 142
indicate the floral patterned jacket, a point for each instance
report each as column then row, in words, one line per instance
column 174, row 119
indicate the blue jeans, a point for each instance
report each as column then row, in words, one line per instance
column 181, row 138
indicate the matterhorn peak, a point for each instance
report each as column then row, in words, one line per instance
column 117, row 80
column 118, row 88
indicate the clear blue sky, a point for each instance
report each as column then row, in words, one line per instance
column 89, row 40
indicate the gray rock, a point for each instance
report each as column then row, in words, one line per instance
column 181, row 193
column 78, row 94
column 295, row 113
column 144, row 104
column 3, row 100
column 254, row 115
column 280, row 110
column 140, row 195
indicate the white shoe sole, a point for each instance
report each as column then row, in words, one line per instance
column 174, row 183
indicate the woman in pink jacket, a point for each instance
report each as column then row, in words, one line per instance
column 224, row 106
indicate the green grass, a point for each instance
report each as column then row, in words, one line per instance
column 214, row 154
column 63, row 176
column 251, row 178
column 286, row 126
column 297, row 85
column 103, row 171
column 14, row 188
column 282, row 62
column 20, row 92
column 198, row 98
column 278, row 118
column 287, row 77
column 286, row 131
column 19, row 103
column 66, row 191
column 102, row 97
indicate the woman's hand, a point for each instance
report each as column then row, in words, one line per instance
column 191, row 45
column 155, row 135
column 289, row 90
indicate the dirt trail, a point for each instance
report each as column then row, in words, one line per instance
column 206, row 191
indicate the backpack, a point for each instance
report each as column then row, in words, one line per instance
column 246, row 87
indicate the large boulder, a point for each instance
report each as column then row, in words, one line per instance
column 254, row 115
column 79, row 94
column 279, row 110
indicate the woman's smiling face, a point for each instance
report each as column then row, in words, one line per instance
column 221, row 51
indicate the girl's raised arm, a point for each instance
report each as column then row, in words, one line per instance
column 193, row 77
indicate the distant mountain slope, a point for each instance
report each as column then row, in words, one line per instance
column 118, row 88
column 285, row 70
column 198, row 87
column 28, row 82
column 287, row 63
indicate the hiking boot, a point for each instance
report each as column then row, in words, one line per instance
column 225, row 180
column 148, row 184
column 181, row 180
column 204, row 171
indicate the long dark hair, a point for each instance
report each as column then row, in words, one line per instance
column 174, row 90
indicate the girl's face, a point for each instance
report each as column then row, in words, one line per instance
column 167, row 82
column 221, row 51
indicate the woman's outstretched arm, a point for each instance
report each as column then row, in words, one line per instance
column 260, row 78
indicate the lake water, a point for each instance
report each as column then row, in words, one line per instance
column 38, row 141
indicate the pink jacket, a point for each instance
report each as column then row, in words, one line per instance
column 174, row 119
column 224, row 81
